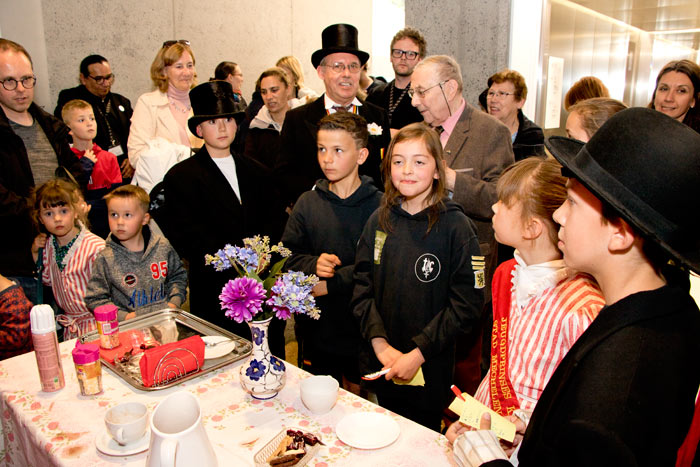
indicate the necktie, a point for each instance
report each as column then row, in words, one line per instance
column 342, row 108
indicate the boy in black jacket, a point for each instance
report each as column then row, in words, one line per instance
column 322, row 233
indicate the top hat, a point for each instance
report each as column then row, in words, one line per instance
column 211, row 100
column 646, row 165
column 338, row 38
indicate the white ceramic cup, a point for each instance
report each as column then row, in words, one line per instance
column 319, row 393
column 127, row 422
column 178, row 437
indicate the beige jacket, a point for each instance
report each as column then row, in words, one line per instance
column 152, row 118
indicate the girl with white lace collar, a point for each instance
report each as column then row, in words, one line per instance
column 540, row 306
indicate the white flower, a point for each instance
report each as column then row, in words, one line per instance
column 374, row 129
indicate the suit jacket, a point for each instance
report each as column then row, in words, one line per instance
column 202, row 214
column 624, row 393
column 152, row 118
column 119, row 115
column 479, row 149
column 297, row 167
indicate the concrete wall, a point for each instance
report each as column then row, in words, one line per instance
column 474, row 32
column 252, row 33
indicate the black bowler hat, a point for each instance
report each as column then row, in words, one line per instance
column 338, row 38
column 646, row 165
column 211, row 100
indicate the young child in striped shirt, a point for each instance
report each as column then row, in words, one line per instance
column 540, row 306
column 69, row 250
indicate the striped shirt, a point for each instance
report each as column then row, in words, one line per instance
column 541, row 332
column 70, row 284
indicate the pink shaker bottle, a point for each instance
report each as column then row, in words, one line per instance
column 48, row 357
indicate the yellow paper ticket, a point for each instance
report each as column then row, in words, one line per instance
column 417, row 380
column 470, row 411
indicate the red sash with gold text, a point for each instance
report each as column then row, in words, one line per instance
column 503, row 397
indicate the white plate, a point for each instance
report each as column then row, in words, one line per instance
column 219, row 350
column 106, row 444
column 367, row 430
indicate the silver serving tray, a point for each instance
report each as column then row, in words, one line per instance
column 172, row 325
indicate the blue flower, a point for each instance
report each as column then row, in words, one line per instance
column 255, row 370
column 277, row 364
column 258, row 335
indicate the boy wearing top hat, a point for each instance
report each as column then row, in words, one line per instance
column 214, row 198
column 624, row 394
column 338, row 64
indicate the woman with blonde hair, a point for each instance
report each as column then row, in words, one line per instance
column 585, row 117
column 291, row 66
column 163, row 113
column 587, row 87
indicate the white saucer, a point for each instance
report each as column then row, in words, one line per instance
column 367, row 430
column 106, row 445
column 219, row 350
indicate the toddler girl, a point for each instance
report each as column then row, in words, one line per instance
column 69, row 250
column 417, row 276
column 540, row 306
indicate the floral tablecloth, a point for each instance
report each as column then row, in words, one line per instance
column 60, row 428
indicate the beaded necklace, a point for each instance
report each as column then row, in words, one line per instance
column 392, row 105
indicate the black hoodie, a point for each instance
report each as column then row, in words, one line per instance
column 417, row 289
column 321, row 222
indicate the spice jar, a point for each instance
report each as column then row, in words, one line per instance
column 86, row 358
column 107, row 326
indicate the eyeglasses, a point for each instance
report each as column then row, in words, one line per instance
column 167, row 44
column 101, row 79
column 409, row 54
column 422, row 92
column 10, row 84
column 500, row 94
column 340, row 67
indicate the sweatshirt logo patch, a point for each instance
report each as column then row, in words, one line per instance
column 379, row 239
column 479, row 266
column 130, row 280
column 427, row 267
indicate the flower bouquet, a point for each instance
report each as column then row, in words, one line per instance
column 256, row 301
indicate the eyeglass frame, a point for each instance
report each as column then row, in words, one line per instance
column 102, row 79
column 172, row 42
column 398, row 53
column 17, row 81
column 339, row 67
column 500, row 94
column 422, row 93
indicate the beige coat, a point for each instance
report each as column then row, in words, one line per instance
column 152, row 118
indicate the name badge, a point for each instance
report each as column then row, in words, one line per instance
column 116, row 150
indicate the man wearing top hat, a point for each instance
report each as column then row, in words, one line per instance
column 338, row 64
column 624, row 394
column 212, row 199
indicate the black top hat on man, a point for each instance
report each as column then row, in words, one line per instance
column 212, row 100
column 646, row 165
column 339, row 38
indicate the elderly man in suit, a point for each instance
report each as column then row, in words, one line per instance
column 477, row 149
column 338, row 64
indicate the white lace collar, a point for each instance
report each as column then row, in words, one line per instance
column 530, row 281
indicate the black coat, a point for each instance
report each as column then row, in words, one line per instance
column 16, row 182
column 297, row 167
column 530, row 139
column 119, row 115
column 202, row 214
column 624, row 394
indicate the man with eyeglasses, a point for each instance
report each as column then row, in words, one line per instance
column 477, row 149
column 338, row 64
column 33, row 144
column 408, row 47
column 112, row 111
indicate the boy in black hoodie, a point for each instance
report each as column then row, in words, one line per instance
column 322, row 233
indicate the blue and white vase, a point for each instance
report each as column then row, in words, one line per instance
column 262, row 375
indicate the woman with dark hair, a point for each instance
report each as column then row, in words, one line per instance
column 163, row 113
column 677, row 92
column 231, row 72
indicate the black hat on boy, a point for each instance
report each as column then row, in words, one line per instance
column 213, row 99
column 645, row 165
column 338, row 38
